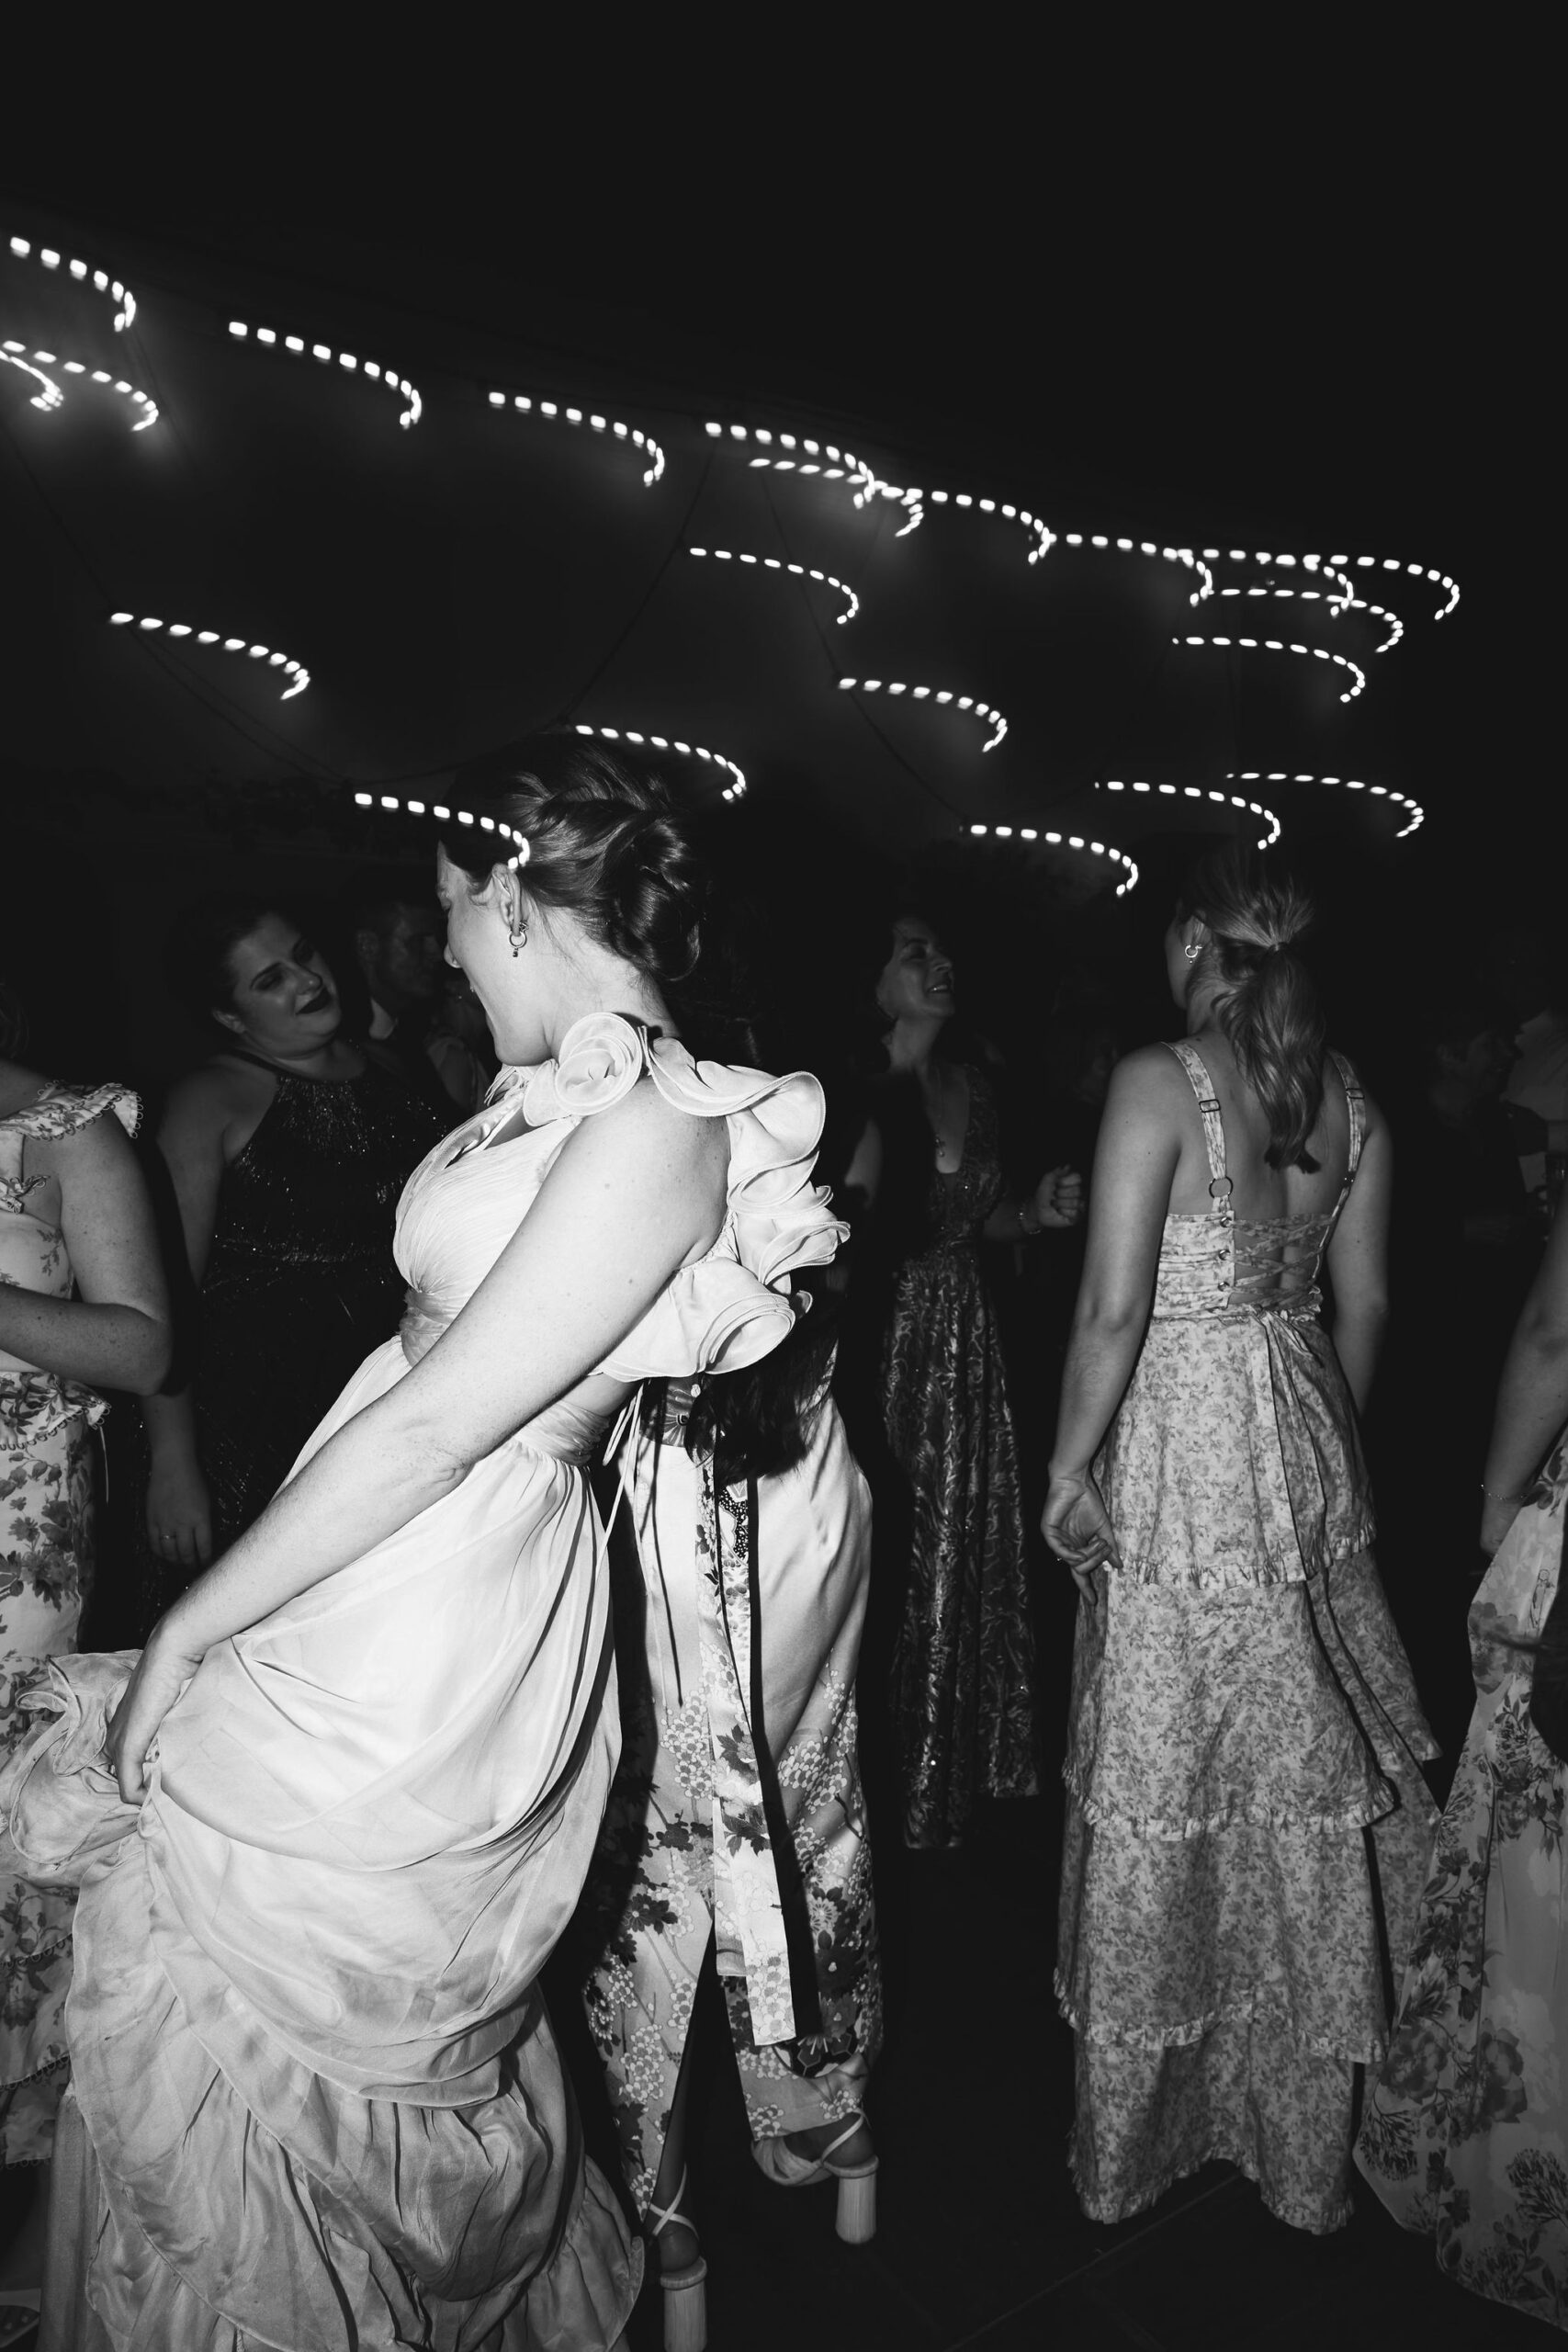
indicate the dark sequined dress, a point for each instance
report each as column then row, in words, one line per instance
column 299, row 1286
column 963, row 1685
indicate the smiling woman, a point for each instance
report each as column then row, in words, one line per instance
column 962, row 1690
column 287, row 1151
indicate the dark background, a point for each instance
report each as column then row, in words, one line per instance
column 1177, row 287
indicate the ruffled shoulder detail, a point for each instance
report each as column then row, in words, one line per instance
column 60, row 1109
column 734, row 1305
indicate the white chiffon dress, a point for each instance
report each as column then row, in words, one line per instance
column 320, row 2104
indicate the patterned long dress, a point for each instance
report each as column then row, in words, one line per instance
column 1465, row 2132
column 46, row 1566
column 1247, row 1825
column 749, row 1613
column 963, row 1676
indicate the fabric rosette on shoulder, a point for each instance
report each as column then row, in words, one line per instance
column 601, row 1059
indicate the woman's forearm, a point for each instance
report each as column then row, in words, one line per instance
column 1358, row 1342
column 370, row 1478
column 170, row 1423
column 103, row 1346
column 1100, row 1357
column 1532, row 1404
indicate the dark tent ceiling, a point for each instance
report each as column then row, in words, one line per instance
column 452, row 568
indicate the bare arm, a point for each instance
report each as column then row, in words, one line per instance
column 115, row 1334
column 636, row 1192
column 1135, row 1164
column 1532, row 1396
column 1357, row 1262
column 190, row 1138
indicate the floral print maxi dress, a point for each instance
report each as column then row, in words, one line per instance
column 1247, row 1821
column 1465, row 2132
column 46, row 1557
column 963, row 1682
column 747, row 1594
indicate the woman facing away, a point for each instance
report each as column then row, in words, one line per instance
column 929, row 1167
column 288, row 1152
column 1462, row 2132
column 359, row 1768
column 1247, row 1823
column 737, row 1824
column 83, row 1307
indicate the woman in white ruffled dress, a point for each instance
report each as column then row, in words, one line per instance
column 361, row 1764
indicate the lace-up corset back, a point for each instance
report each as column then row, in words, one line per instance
column 1220, row 1265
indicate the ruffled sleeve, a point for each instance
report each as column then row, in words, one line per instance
column 60, row 1109
column 734, row 1305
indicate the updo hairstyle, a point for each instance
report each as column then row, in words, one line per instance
column 605, row 845
column 1267, row 1006
column 202, row 939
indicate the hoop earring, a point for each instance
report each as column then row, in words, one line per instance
column 519, row 937
column 1192, row 951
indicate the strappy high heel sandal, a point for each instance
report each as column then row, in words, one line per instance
column 856, row 2221
column 685, row 2291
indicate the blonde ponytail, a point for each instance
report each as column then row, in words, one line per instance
column 1267, row 1005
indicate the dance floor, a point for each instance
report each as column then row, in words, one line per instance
column 981, row 2243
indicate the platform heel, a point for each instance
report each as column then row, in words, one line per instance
column 685, row 2291
column 856, row 2221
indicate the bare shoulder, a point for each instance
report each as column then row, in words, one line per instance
column 1149, row 1080
column 95, row 1150
column 210, row 1100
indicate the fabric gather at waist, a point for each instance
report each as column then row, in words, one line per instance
column 1298, row 1317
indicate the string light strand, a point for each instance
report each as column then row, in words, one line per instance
column 296, row 346
column 296, row 672
column 942, row 695
column 99, row 279
column 557, row 412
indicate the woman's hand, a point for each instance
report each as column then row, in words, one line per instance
column 1058, row 1197
column 179, row 1513
column 162, row 1672
column 1076, row 1528
column 1496, row 1517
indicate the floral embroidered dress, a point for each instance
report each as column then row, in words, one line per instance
column 1465, row 2132
column 1246, row 1818
column 320, row 2100
column 46, row 1564
column 962, row 1682
column 737, row 1812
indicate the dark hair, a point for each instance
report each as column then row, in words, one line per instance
column 757, row 1421
column 12, row 1020
column 604, row 843
column 202, row 940
column 1267, row 1006
column 1449, row 1022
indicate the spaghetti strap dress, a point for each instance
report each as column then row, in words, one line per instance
column 316, row 2099
column 1248, row 1825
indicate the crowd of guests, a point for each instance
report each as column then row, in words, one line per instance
column 558, row 1443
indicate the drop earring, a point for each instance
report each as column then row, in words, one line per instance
column 519, row 937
